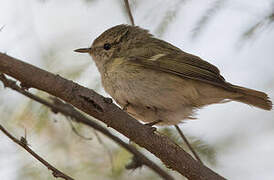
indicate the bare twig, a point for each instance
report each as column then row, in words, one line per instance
column 69, row 111
column 129, row 12
column 23, row 143
column 77, row 133
column 188, row 144
column 101, row 108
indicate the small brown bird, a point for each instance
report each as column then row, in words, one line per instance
column 157, row 82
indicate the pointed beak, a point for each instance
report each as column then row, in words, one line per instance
column 83, row 50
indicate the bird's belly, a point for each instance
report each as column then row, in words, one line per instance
column 151, row 95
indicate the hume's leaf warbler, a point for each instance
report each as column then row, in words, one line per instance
column 156, row 81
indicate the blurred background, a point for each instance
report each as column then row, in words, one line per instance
column 233, row 139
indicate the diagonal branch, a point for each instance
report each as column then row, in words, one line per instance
column 105, row 111
column 23, row 143
column 188, row 144
column 69, row 111
column 129, row 12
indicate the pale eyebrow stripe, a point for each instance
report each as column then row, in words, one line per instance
column 155, row 57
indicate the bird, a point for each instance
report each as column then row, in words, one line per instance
column 158, row 83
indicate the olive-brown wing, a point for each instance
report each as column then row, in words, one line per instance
column 184, row 65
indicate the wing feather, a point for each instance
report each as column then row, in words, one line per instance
column 184, row 65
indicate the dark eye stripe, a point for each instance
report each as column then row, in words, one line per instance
column 107, row 46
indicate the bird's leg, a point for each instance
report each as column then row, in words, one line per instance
column 126, row 106
column 188, row 144
column 152, row 124
column 156, row 121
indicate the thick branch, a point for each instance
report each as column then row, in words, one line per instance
column 23, row 143
column 69, row 111
column 99, row 107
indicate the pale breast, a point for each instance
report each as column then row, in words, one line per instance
column 152, row 95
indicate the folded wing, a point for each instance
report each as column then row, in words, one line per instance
column 184, row 65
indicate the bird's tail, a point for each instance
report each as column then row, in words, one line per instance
column 253, row 97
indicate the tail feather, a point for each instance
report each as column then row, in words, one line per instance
column 253, row 97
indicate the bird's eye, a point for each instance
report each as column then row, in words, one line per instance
column 107, row 46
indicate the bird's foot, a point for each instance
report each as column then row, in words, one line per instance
column 126, row 106
column 153, row 123
column 153, row 129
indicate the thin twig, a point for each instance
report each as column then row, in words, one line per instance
column 69, row 111
column 188, row 144
column 23, row 143
column 77, row 133
column 129, row 12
